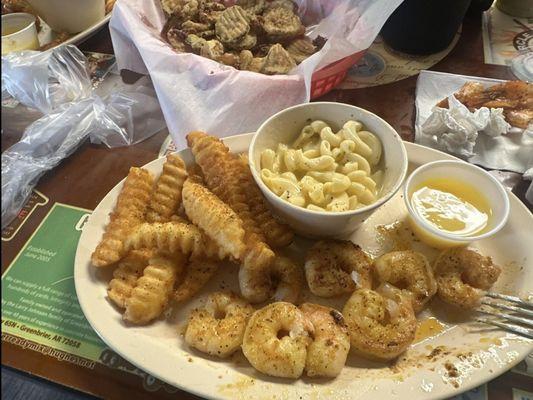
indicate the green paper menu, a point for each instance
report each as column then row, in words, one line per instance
column 39, row 302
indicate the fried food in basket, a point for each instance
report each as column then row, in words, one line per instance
column 277, row 61
column 125, row 276
column 282, row 24
column 152, row 292
column 301, row 48
column 232, row 25
column 128, row 213
column 212, row 30
column 175, row 238
column 197, row 274
column 166, row 198
column 214, row 217
column 229, row 177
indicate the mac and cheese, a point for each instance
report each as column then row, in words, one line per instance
column 326, row 171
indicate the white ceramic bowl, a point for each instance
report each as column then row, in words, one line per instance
column 480, row 180
column 286, row 125
column 19, row 32
column 71, row 16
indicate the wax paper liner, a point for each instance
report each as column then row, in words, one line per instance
column 196, row 93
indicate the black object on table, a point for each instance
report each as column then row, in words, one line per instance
column 424, row 26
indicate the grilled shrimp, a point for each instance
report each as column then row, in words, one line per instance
column 409, row 271
column 462, row 276
column 335, row 267
column 326, row 355
column 276, row 340
column 282, row 281
column 218, row 328
column 381, row 322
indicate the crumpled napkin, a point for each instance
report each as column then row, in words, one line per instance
column 455, row 129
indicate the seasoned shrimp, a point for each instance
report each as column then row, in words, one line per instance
column 218, row 328
column 276, row 339
column 335, row 267
column 197, row 274
column 281, row 281
column 409, row 271
column 462, row 276
column 381, row 323
column 326, row 355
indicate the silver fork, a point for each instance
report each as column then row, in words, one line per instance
column 508, row 313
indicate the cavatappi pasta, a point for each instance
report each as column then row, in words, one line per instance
column 326, row 171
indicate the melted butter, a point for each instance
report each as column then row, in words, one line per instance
column 451, row 206
column 428, row 328
column 490, row 340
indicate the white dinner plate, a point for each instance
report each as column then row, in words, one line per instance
column 470, row 353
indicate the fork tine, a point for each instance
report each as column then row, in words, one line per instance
column 512, row 318
column 508, row 308
column 512, row 328
column 512, row 299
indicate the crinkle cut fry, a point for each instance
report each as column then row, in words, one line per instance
column 152, row 292
column 128, row 212
column 125, row 276
column 197, row 274
column 214, row 217
column 174, row 238
column 166, row 198
column 229, row 177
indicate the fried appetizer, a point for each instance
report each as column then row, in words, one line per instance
column 252, row 6
column 125, row 276
column 301, row 48
column 175, row 238
column 197, row 274
column 128, row 213
column 277, row 61
column 232, row 24
column 281, row 24
column 218, row 328
column 214, row 217
column 166, row 198
column 151, row 294
column 229, row 177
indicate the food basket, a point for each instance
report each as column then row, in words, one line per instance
column 329, row 77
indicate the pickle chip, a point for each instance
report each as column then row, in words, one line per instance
column 252, row 6
column 232, row 25
column 195, row 27
column 287, row 4
column 212, row 49
column 277, row 61
column 282, row 24
column 246, row 43
column 300, row 49
column 245, row 59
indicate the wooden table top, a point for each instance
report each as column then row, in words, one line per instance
column 85, row 177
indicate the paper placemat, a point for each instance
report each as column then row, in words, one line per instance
column 504, row 36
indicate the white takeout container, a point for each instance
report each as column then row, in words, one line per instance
column 70, row 16
column 480, row 180
column 24, row 36
column 286, row 125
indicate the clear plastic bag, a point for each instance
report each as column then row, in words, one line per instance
column 46, row 80
column 126, row 116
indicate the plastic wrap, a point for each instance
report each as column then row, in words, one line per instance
column 46, row 80
column 199, row 93
column 128, row 115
